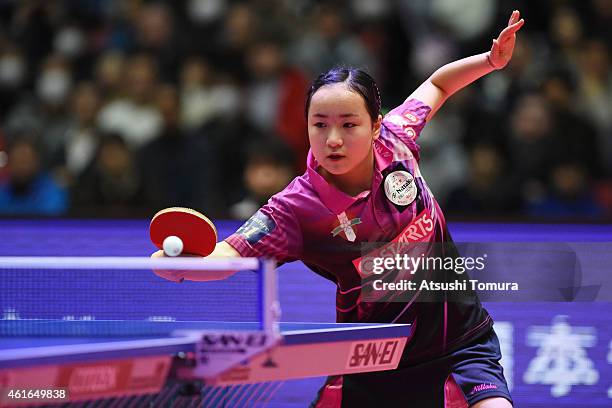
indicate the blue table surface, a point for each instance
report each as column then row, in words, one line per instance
column 20, row 334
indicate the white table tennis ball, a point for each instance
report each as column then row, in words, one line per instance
column 173, row 246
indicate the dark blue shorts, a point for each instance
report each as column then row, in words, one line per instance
column 456, row 380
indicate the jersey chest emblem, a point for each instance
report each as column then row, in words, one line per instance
column 346, row 226
column 400, row 187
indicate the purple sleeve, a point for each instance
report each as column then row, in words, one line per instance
column 273, row 231
column 407, row 120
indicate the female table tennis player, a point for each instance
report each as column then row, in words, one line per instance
column 346, row 198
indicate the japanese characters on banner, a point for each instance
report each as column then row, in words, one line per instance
column 556, row 354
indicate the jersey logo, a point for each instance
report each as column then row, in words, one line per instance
column 256, row 227
column 404, row 122
column 421, row 229
column 346, row 226
column 409, row 132
column 397, row 120
column 374, row 354
column 411, row 118
column 400, row 188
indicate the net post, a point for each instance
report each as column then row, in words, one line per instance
column 270, row 304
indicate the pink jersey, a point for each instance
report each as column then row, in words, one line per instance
column 312, row 221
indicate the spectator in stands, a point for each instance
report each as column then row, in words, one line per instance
column 28, row 188
column 595, row 94
column 13, row 71
column 530, row 145
column 327, row 43
column 570, row 194
column 133, row 116
column 111, row 182
column 566, row 33
column 32, row 25
column 157, row 35
column 487, row 191
column 199, row 93
column 236, row 64
column 269, row 169
column 177, row 169
column 275, row 95
column 81, row 138
column 601, row 19
column 108, row 75
column 45, row 112
column 239, row 29
column 574, row 134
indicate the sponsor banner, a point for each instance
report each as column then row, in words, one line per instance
column 103, row 379
column 556, row 354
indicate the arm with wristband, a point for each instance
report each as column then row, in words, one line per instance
column 456, row 75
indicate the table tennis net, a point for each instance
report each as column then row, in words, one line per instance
column 46, row 291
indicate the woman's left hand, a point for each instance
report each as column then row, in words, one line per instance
column 503, row 46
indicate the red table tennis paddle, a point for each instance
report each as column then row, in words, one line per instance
column 197, row 233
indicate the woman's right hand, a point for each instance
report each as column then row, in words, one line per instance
column 222, row 250
column 174, row 275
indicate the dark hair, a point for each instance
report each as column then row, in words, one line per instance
column 356, row 80
column 270, row 150
column 563, row 74
column 25, row 137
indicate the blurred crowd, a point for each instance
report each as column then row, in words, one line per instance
column 113, row 108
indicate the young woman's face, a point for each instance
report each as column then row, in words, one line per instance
column 340, row 129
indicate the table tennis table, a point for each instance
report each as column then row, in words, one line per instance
column 182, row 363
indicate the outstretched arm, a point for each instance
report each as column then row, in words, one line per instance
column 454, row 76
